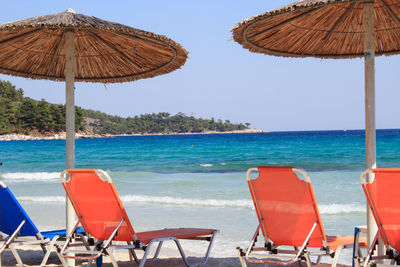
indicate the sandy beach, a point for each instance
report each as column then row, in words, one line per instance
column 33, row 256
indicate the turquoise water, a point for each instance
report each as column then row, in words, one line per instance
column 199, row 180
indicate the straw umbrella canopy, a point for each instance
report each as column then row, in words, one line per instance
column 104, row 52
column 73, row 47
column 321, row 28
column 330, row 29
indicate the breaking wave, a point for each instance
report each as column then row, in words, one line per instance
column 153, row 200
column 30, row 176
column 45, row 199
column 206, row 165
column 340, row 208
column 188, row 202
column 239, row 203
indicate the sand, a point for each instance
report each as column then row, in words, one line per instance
column 32, row 256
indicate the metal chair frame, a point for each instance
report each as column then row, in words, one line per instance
column 370, row 259
column 272, row 256
column 107, row 247
column 15, row 239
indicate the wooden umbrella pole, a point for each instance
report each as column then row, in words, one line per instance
column 70, row 123
column 370, row 127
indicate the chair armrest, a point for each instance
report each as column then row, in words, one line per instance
column 357, row 257
column 362, row 228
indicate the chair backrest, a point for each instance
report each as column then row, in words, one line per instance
column 286, row 207
column 12, row 215
column 97, row 203
column 383, row 197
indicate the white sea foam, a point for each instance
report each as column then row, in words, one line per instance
column 206, row 165
column 340, row 208
column 45, row 199
column 238, row 203
column 30, row 176
column 155, row 200
column 188, row 202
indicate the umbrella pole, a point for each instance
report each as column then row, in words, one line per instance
column 70, row 123
column 370, row 127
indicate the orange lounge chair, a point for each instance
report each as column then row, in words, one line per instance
column 288, row 216
column 103, row 217
column 384, row 200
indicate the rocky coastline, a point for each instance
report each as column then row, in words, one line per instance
column 57, row 136
column 62, row 135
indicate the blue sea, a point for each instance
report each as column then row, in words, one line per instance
column 199, row 180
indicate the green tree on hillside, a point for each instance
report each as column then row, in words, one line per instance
column 162, row 122
column 8, row 91
column 19, row 114
column 26, row 115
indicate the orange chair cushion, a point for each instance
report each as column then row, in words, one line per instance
column 335, row 241
column 179, row 233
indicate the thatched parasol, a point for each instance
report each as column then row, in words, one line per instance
column 330, row 29
column 105, row 52
column 321, row 28
column 70, row 46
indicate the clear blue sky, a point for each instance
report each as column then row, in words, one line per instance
column 220, row 78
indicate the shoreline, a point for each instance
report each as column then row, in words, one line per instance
column 62, row 135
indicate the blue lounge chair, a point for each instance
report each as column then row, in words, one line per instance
column 16, row 224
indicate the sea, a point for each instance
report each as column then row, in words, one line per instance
column 199, row 180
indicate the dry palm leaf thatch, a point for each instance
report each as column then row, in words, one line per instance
column 105, row 52
column 321, row 28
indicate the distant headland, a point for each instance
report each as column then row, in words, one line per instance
column 23, row 118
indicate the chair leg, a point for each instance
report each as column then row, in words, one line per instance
column 308, row 260
column 184, row 258
column 371, row 250
column 7, row 245
column 132, row 253
column 43, row 247
column 63, row 261
column 336, row 257
column 99, row 260
column 241, row 258
column 357, row 258
column 146, row 254
column 46, row 257
column 158, row 250
column 16, row 256
column 131, row 258
column 178, row 244
column 160, row 241
column 113, row 260
column 89, row 263
column 83, row 239
column 48, row 250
